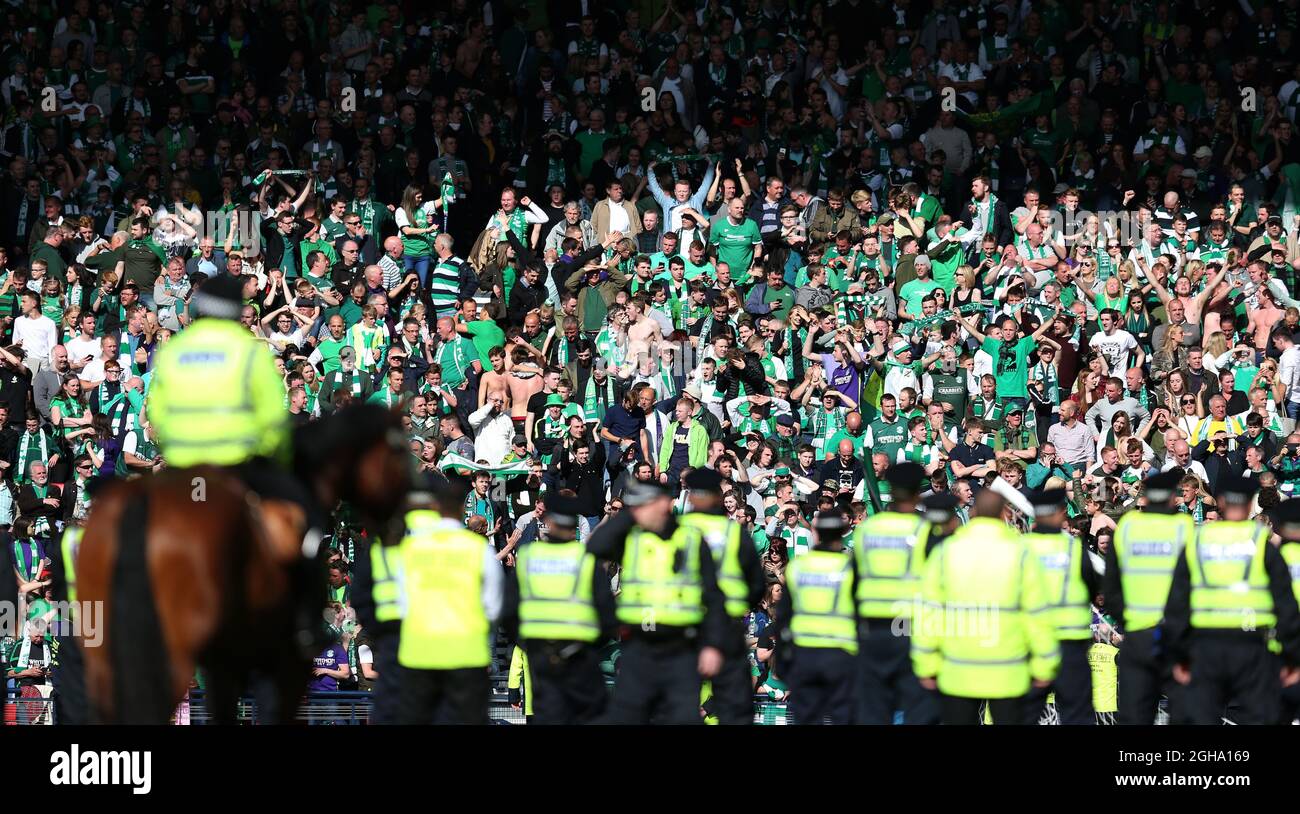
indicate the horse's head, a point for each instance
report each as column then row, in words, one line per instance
column 358, row 455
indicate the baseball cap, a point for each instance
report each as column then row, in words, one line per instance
column 555, row 400
column 347, row 352
column 785, row 420
column 1203, row 152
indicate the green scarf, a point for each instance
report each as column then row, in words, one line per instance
column 591, row 406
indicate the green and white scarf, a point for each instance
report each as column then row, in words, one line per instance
column 25, row 653
column 25, row 443
column 592, row 407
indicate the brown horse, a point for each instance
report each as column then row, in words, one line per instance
column 195, row 570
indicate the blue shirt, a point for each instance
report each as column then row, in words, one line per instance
column 623, row 422
column 672, row 217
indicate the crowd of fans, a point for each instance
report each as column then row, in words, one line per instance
column 1033, row 243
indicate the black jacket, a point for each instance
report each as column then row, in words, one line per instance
column 586, row 480
column 524, row 299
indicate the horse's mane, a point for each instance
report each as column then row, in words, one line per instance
column 338, row 439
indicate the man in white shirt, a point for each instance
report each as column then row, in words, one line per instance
column 83, row 347
column 35, row 333
column 493, row 428
column 1288, row 370
column 92, row 375
column 1114, row 343
column 1180, row 455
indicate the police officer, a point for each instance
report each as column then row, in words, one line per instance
column 982, row 632
column 670, row 608
column 817, row 614
column 1072, row 582
column 1139, row 567
column 1230, row 586
column 375, row 586
column 891, row 549
column 1286, row 520
column 450, row 588
column 217, row 399
column 741, row 579
column 559, row 606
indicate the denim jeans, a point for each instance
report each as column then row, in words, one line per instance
column 420, row 265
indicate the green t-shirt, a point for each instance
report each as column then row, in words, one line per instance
column 736, row 244
column 486, row 335
column 693, row 271
column 329, row 351
column 592, row 146
column 886, row 437
column 913, row 292
column 944, row 261
column 1010, row 365
column 455, row 358
column 781, row 300
column 948, row 389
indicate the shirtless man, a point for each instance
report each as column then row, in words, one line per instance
column 523, row 379
column 642, row 334
column 494, row 379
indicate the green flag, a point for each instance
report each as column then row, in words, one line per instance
column 458, row 462
column 448, row 191
column 1005, row 121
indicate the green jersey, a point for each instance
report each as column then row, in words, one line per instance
column 736, row 244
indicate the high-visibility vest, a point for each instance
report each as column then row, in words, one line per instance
column 1062, row 559
column 1225, row 560
column 1290, row 552
column 555, row 598
column 70, row 545
column 444, row 626
column 722, row 534
column 1105, row 677
column 216, row 397
column 983, row 631
column 823, row 604
column 890, row 548
column 1147, row 546
column 385, row 578
column 660, row 583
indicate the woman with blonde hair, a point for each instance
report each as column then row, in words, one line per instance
column 68, row 329
column 967, row 290
column 1170, row 356
column 1218, row 355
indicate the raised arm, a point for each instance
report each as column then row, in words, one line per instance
column 970, row 329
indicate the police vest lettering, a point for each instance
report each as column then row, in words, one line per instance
column 555, row 593
column 661, row 583
column 722, row 536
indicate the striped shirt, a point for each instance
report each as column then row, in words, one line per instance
column 444, row 286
